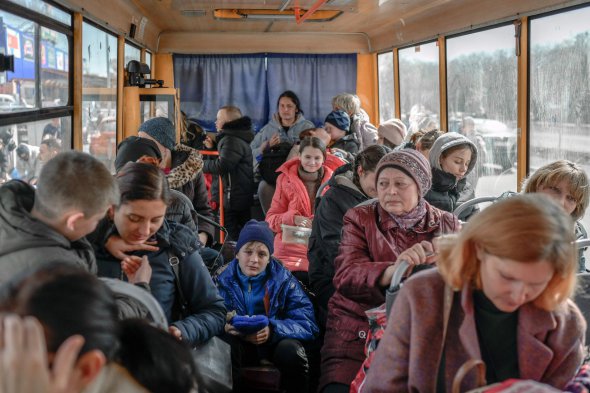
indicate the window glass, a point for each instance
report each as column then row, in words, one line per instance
column 46, row 9
column 481, row 99
column 386, row 90
column 560, row 96
column 25, row 147
column 131, row 53
column 54, row 68
column 148, row 61
column 419, row 87
column 99, row 94
column 17, row 38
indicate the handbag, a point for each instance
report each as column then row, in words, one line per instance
column 212, row 358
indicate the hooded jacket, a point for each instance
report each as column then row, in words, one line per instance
column 289, row 310
column 290, row 199
column 326, row 232
column 27, row 242
column 446, row 192
column 207, row 316
column 186, row 176
column 274, row 126
column 234, row 163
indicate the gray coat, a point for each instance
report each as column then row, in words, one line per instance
column 27, row 242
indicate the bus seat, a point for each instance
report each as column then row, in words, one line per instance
column 261, row 379
column 582, row 299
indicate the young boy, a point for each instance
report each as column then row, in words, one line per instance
column 234, row 164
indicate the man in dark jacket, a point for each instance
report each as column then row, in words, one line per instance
column 48, row 225
column 234, row 164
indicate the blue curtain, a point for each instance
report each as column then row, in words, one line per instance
column 208, row 82
column 314, row 78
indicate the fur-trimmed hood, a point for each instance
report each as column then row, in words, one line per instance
column 186, row 164
column 240, row 128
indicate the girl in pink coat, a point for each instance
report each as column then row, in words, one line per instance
column 293, row 201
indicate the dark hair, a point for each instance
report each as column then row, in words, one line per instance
column 67, row 301
column 308, row 132
column 293, row 97
column 158, row 361
column 142, row 181
column 313, row 141
column 450, row 150
column 368, row 160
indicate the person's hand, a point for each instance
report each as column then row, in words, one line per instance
column 420, row 253
column 302, row 221
column 203, row 238
column 175, row 332
column 23, row 359
column 208, row 142
column 274, row 140
column 119, row 248
column 230, row 329
column 137, row 269
column 260, row 337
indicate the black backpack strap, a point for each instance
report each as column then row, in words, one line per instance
column 175, row 264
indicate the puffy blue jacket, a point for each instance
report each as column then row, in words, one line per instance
column 290, row 311
column 207, row 316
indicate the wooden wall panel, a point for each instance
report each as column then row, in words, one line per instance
column 221, row 43
column 164, row 68
column 366, row 85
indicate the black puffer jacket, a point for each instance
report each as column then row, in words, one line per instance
column 234, row 163
column 342, row 195
column 207, row 311
column 448, row 195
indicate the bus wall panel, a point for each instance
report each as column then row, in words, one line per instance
column 366, row 85
column 222, row 43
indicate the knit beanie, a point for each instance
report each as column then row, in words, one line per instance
column 339, row 119
column 410, row 161
column 445, row 142
column 133, row 148
column 162, row 130
column 258, row 231
column 394, row 130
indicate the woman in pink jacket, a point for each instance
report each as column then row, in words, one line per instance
column 505, row 283
column 294, row 201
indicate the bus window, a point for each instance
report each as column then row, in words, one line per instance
column 54, row 68
column 46, row 9
column 559, row 98
column 99, row 94
column 481, row 98
column 419, row 87
column 386, row 92
column 17, row 38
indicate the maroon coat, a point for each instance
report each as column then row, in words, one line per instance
column 371, row 241
column 549, row 343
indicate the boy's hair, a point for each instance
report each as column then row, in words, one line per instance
column 75, row 180
column 52, row 144
column 231, row 112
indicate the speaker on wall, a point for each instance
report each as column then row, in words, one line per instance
column 132, row 30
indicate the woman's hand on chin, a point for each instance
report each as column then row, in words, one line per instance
column 119, row 248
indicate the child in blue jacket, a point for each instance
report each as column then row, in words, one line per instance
column 274, row 316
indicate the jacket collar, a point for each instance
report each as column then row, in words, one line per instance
column 533, row 326
column 443, row 181
column 429, row 223
column 240, row 128
column 187, row 170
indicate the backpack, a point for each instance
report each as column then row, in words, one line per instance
column 271, row 160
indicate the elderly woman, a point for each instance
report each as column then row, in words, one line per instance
column 505, row 283
column 400, row 225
